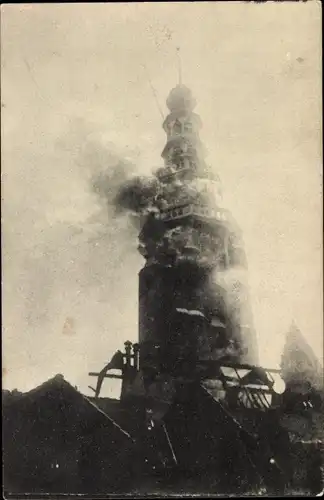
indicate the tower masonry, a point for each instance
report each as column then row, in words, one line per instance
column 193, row 305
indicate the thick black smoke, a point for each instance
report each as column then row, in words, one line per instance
column 107, row 182
column 121, row 190
column 136, row 194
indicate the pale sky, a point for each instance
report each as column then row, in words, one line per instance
column 74, row 92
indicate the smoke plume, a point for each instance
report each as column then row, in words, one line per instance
column 135, row 194
column 76, row 265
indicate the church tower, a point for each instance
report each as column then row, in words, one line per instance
column 193, row 306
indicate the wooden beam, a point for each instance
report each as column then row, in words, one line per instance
column 237, row 366
column 93, row 374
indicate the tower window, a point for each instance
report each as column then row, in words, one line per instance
column 188, row 127
column 193, row 165
column 181, row 163
column 184, row 146
column 177, row 128
column 169, row 129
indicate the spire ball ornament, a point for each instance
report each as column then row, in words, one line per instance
column 180, row 99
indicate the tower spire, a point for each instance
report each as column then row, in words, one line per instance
column 187, row 241
column 179, row 66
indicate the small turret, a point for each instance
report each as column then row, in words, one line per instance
column 300, row 367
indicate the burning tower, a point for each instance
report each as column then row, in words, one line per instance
column 196, row 413
column 192, row 392
column 193, row 305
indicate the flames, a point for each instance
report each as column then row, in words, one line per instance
column 142, row 195
column 149, row 196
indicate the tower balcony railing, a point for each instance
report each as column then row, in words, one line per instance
column 192, row 210
column 169, row 172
